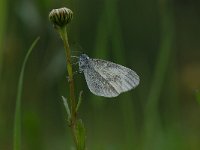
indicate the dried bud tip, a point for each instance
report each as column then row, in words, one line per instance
column 60, row 17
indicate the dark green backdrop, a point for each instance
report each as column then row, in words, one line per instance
column 159, row 39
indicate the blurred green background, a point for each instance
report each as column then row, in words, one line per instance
column 159, row 39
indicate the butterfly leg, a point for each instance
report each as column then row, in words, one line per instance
column 75, row 57
column 75, row 63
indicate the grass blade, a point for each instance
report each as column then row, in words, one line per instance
column 17, row 121
column 197, row 94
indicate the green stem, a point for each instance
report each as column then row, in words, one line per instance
column 63, row 34
column 78, row 129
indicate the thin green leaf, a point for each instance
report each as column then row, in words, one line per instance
column 17, row 121
column 66, row 107
column 79, row 101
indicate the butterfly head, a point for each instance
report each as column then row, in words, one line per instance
column 83, row 62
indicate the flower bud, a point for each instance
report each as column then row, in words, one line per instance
column 60, row 17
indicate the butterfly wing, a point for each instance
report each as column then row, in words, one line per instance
column 121, row 78
column 98, row 85
column 111, row 78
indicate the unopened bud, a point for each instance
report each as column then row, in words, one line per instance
column 60, row 17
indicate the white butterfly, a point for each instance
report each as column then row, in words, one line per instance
column 105, row 78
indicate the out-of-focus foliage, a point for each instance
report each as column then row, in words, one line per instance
column 159, row 39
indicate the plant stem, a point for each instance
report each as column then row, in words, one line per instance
column 63, row 34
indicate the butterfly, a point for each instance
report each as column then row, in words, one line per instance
column 105, row 78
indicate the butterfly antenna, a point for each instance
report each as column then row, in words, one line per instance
column 79, row 52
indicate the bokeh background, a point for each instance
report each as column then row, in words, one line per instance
column 159, row 39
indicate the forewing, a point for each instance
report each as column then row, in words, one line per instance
column 98, row 85
column 121, row 78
